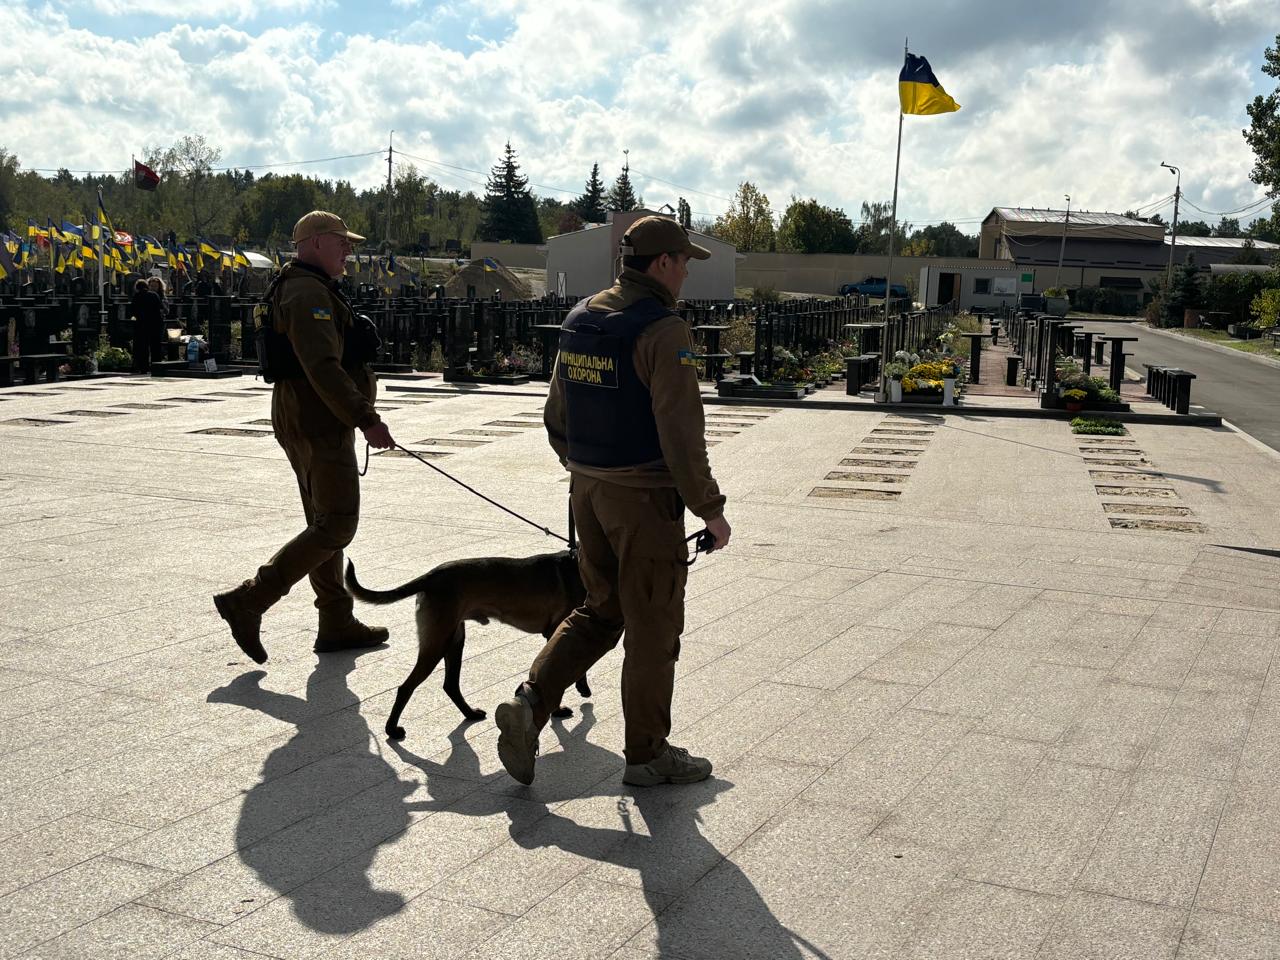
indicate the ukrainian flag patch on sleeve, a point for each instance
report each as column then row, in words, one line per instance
column 687, row 358
column 321, row 313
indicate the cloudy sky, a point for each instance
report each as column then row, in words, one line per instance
column 1084, row 97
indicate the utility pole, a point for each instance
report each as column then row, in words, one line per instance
column 1057, row 280
column 387, row 237
column 1173, row 240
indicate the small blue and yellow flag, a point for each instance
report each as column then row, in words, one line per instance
column 103, row 220
column 490, row 265
column 919, row 90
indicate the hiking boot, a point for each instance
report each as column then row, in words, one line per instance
column 353, row 635
column 517, row 738
column 673, row 765
column 245, row 619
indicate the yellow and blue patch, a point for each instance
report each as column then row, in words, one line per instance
column 687, row 358
column 320, row 313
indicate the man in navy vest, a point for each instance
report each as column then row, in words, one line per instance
column 624, row 414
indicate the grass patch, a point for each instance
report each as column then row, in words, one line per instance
column 1261, row 346
column 1098, row 426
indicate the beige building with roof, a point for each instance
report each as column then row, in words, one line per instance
column 1101, row 249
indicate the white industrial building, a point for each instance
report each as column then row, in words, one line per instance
column 979, row 285
column 585, row 261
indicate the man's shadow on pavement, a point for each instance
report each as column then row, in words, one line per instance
column 312, row 777
column 725, row 917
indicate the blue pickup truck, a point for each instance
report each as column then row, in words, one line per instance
column 871, row 287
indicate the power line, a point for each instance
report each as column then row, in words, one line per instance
column 441, row 163
column 669, row 183
column 225, row 169
column 1247, row 208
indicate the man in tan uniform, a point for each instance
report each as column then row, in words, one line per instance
column 624, row 414
column 324, row 392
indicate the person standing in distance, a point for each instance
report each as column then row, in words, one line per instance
column 318, row 354
column 624, row 414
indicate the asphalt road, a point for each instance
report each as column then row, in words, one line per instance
column 1242, row 390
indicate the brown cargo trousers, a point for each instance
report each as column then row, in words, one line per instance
column 329, row 483
column 630, row 551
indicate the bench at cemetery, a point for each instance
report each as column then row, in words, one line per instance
column 1170, row 385
column 31, row 364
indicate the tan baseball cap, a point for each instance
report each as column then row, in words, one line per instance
column 317, row 222
column 650, row 236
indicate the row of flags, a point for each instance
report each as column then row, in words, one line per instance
column 75, row 245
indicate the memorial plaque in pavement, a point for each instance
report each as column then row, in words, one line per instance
column 232, row 432
column 1159, row 493
column 424, row 454
column 451, row 442
column 1148, row 509
column 1164, row 526
column 866, row 477
column 854, row 493
column 872, row 462
column 890, row 451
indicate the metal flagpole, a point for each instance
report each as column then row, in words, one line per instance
column 893, row 225
column 102, row 256
column 893, row 219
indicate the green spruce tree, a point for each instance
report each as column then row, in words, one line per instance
column 621, row 195
column 590, row 206
column 510, row 212
column 684, row 214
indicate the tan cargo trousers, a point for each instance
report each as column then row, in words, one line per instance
column 630, row 551
column 329, row 484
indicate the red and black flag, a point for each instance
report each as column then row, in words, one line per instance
column 144, row 178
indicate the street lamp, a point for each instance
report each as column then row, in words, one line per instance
column 1173, row 239
column 1057, row 280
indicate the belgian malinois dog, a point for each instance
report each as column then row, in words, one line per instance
column 532, row 594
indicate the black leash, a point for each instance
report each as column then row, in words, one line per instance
column 704, row 540
column 470, row 489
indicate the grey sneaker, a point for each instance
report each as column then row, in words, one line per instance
column 672, row 766
column 517, row 739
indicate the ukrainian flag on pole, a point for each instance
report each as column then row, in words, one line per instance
column 919, row 90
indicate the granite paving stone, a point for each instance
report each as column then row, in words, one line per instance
column 1158, row 840
column 1043, row 841
column 975, row 721
column 1219, row 936
column 1094, row 927
column 1243, row 872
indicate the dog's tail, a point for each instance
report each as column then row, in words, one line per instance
column 381, row 596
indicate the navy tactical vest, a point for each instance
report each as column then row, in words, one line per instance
column 608, row 411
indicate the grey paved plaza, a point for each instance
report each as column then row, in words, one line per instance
column 973, row 688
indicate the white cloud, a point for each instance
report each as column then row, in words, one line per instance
column 169, row 10
column 798, row 96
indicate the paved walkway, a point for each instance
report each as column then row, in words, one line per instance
column 973, row 688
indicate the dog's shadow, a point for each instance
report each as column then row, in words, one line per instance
column 324, row 803
column 721, row 912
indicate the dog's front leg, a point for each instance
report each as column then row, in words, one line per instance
column 453, row 673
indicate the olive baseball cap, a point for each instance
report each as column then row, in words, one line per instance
column 650, row 236
column 317, row 222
